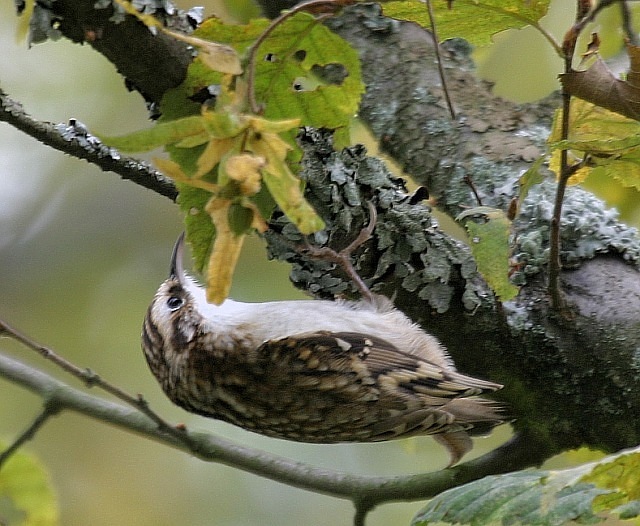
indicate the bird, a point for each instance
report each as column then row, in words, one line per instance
column 317, row 371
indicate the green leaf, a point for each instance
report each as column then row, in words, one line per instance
column 184, row 133
column 625, row 168
column 288, row 78
column 26, row 494
column 529, row 179
column 200, row 229
column 611, row 141
column 543, row 498
column 474, row 20
column 490, row 248
column 160, row 135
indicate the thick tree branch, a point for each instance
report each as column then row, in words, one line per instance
column 366, row 491
column 150, row 63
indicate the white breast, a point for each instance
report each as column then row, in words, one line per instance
column 278, row 319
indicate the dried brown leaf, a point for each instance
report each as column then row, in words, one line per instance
column 600, row 86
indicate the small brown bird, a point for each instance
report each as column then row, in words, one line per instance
column 310, row 370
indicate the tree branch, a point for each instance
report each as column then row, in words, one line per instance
column 366, row 491
column 75, row 140
column 49, row 411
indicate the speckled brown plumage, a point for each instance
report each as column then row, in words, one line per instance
column 289, row 370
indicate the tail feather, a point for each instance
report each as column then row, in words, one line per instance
column 478, row 414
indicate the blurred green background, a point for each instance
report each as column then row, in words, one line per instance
column 81, row 255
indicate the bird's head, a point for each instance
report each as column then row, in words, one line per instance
column 172, row 318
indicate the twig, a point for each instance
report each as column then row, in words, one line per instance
column 519, row 452
column 48, row 411
column 92, row 379
column 75, row 140
column 627, row 24
column 343, row 257
column 436, row 45
column 583, row 17
column 555, row 265
column 469, row 182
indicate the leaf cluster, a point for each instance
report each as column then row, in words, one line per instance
column 232, row 164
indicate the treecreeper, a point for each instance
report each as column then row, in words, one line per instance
column 311, row 370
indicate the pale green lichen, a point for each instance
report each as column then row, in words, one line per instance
column 409, row 249
column 588, row 228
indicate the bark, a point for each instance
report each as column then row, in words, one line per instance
column 568, row 382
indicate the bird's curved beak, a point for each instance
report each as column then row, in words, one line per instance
column 176, row 270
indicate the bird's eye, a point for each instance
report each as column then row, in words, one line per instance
column 174, row 303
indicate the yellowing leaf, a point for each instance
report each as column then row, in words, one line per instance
column 490, row 248
column 26, row 486
column 148, row 20
column 213, row 154
column 224, row 253
column 244, row 169
column 620, row 474
column 609, row 141
column 595, row 129
column 218, row 57
column 579, row 176
column 282, row 184
column 624, row 168
column 174, row 171
column 474, row 20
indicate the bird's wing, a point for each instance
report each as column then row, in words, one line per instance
column 322, row 357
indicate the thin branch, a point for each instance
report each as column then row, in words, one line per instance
column 75, row 140
column 469, row 181
column 91, row 379
column 436, row 48
column 555, row 265
column 627, row 24
column 367, row 491
column 48, row 411
column 583, row 17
